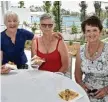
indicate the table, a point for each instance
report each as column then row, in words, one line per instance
column 36, row 86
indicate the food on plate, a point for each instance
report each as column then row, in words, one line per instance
column 68, row 94
column 36, row 60
column 12, row 63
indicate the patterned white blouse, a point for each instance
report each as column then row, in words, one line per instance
column 96, row 72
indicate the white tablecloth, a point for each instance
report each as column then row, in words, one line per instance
column 37, row 86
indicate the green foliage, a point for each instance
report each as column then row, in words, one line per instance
column 74, row 29
column 21, row 3
column 70, row 42
column 82, row 42
column 33, row 27
column 97, row 6
column 83, row 6
column 47, row 6
column 25, row 23
column 57, row 15
column 28, row 45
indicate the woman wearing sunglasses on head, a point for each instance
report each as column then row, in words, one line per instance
column 12, row 42
column 53, row 51
column 92, row 62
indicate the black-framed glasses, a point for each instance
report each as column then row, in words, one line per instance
column 47, row 25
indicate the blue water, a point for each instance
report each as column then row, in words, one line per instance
column 71, row 20
column 67, row 21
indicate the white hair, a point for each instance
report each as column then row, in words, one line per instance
column 47, row 16
column 10, row 13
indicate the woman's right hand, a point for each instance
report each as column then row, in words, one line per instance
column 5, row 70
column 36, row 60
column 84, row 86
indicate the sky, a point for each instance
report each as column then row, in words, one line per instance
column 66, row 4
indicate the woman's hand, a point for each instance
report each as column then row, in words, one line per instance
column 84, row 86
column 5, row 70
column 101, row 93
column 58, row 35
column 36, row 60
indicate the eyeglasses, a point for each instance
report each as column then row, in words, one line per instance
column 47, row 25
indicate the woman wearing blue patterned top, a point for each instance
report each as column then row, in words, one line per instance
column 92, row 62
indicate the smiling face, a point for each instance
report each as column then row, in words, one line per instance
column 92, row 33
column 47, row 25
column 11, row 23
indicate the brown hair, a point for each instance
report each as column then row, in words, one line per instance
column 92, row 21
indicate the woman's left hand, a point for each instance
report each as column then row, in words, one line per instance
column 58, row 35
column 101, row 93
column 5, row 70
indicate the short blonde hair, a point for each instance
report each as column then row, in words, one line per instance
column 10, row 13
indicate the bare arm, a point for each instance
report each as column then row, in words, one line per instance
column 1, row 57
column 33, row 47
column 64, row 56
column 78, row 72
column 3, row 69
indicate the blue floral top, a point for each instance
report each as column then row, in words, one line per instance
column 96, row 72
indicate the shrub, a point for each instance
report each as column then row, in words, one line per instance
column 70, row 42
column 74, row 29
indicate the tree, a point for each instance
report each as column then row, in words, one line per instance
column 106, row 16
column 21, row 3
column 57, row 15
column 97, row 6
column 63, row 11
column 47, row 6
column 83, row 6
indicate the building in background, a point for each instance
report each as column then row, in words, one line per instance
column 4, row 6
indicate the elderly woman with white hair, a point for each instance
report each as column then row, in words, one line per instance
column 52, row 50
column 13, row 41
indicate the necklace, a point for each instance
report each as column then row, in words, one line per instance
column 46, row 46
column 93, row 56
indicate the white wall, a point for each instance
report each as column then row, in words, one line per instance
column 4, row 6
column 23, row 13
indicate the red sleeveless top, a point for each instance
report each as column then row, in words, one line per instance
column 52, row 60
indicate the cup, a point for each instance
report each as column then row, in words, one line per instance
column 60, row 73
column 35, row 67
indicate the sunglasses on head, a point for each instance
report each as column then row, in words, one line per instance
column 47, row 25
